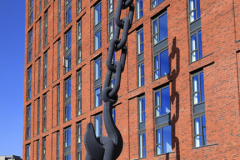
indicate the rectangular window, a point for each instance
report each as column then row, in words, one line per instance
column 156, row 3
column 142, row 130
column 141, row 74
column 68, row 11
column 68, row 44
column 30, row 41
column 38, row 117
column 29, row 85
column 28, row 122
column 38, row 150
column 79, row 55
column 39, row 74
column 59, row 16
column 79, row 5
column 162, row 121
column 40, row 6
column 194, row 10
column 79, row 141
column 141, row 109
column 111, row 29
column 44, row 148
column 200, row 138
column 98, row 125
column 140, row 42
column 58, row 145
column 67, row 144
column 40, row 34
column 45, row 71
column 67, row 99
column 46, row 3
column 28, row 152
column 98, row 68
column 160, row 29
column 196, row 46
column 30, row 12
column 79, row 93
column 139, row 9
column 46, row 28
column 98, row 96
column 58, row 61
column 44, row 113
column 98, row 82
column 161, row 64
column 111, row 6
column 142, row 145
column 58, row 104
column 98, row 40
column 98, row 13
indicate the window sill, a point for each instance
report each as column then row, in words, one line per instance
column 205, row 146
column 163, row 154
column 201, row 58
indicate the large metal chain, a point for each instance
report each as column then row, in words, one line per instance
column 109, row 148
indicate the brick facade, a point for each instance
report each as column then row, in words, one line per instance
column 220, row 25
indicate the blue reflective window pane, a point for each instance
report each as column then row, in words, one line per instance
column 200, row 43
column 194, row 47
column 79, row 155
column 144, row 152
column 141, row 33
column 157, row 99
column 144, row 139
column 79, row 106
column 159, row 136
column 165, row 97
column 155, row 27
column 69, row 63
column 195, row 84
column 156, row 66
column 69, row 15
column 192, row 5
column 197, row 126
column 98, row 67
column 159, row 149
column 97, row 100
column 198, row 141
column 98, row 39
column 69, row 87
column 69, row 112
column 70, row 39
column 143, row 104
column 164, row 63
column 167, row 139
column 202, row 87
column 163, row 28
column 204, row 130
column 198, row 9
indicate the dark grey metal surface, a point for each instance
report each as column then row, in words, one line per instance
column 109, row 148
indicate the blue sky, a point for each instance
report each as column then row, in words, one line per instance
column 12, row 39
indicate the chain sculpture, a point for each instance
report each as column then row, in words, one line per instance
column 109, row 148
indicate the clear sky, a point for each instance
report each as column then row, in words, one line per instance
column 12, row 39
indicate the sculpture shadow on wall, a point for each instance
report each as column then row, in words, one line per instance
column 174, row 57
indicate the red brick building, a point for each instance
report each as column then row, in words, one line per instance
column 179, row 95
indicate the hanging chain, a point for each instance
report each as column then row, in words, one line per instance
column 109, row 148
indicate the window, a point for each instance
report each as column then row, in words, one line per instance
column 111, row 6
column 140, row 74
column 37, row 149
column 58, row 62
column 44, row 113
column 28, row 122
column 162, row 121
column 28, row 152
column 67, row 144
column 196, row 46
column 39, row 74
column 59, row 16
column 79, row 5
column 58, row 104
column 29, row 85
column 79, row 56
column 114, row 115
column 40, row 34
column 160, row 29
column 40, row 6
column 44, row 148
column 111, row 29
column 98, row 96
column 161, row 64
column 68, row 44
column 98, row 40
column 194, row 10
column 200, row 138
column 142, row 129
column 68, row 11
column 79, row 141
column 156, row 3
column 46, row 3
column 79, row 93
column 98, row 26
column 139, row 9
column 98, row 68
column 98, row 82
column 98, row 125
column 45, row 71
column 30, row 41
column 46, row 28
column 67, row 99
column 98, row 13
column 38, row 117
column 30, row 12
column 58, row 145
column 140, row 40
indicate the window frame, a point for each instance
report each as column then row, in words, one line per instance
column 79, row 8
column 28, row 152
column 68, row 7
column 59, row 16
column 79, row 92
column 38, row 117
column 30, row 22
column 79, row 145
column 195, row 32
column 67, row 113
column 58, row 59
column 100, row 39
column 66, row 153
column 196, row 9
column 156, row 4
column 44, row 148
column 199, row 85
column 141, row 133
column 45, row 70
column 28, row 122
column 39, row 74
column 101, row 127
column 138, row 10
column 109, row 5
column 58, row 104
column 100, row 14
column 157, row 53
column 40, row 36
column 29, row 83
column 37, row 149
column 46, row 28
column 58, row 145
column 44, row 122
column 30, row 42
column 156, row 144
column 112, row 20
column 79, row 43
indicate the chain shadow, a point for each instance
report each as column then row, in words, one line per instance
column 174, row 55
